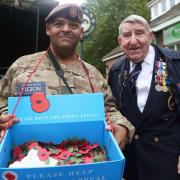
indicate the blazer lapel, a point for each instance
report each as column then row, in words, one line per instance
column 133, row 107
column 154, row 95
column 152, row 100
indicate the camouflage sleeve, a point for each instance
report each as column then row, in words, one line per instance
column 6, row 85
column 5, row 91
column 116, row 117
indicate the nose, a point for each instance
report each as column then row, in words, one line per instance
column 133, row 39
column 66, row 28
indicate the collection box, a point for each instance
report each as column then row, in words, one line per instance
column 61, row 117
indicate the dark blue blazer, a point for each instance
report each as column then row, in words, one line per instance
column 153, row 153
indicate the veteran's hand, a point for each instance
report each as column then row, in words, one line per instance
column 4, row 120
column 120, row 134
column 178, row 166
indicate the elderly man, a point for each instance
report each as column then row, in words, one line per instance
column 59, row 70
column 145, row 83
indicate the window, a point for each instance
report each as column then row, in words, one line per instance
column 178, row 47
column 163, row 3
column 172, row 3
column 155, row 10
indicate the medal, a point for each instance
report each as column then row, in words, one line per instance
column 171, row 103
column 164, row 88
column 158, row 87
column 161, row 76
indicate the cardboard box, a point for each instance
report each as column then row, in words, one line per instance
column 67, row 116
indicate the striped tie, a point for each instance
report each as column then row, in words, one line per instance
column 133, row 78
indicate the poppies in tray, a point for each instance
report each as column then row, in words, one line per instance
column 70, row 151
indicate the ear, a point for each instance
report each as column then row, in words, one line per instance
column 119, row 40
column 48, row 29
column 82, row 31
column 151, row 36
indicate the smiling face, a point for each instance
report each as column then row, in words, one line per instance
column 135, row 40
column 64, row 34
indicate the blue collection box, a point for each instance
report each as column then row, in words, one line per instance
column 63, row 116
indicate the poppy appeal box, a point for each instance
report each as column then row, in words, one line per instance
column 58, row 118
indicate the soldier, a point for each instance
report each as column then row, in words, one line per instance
column 69, row 74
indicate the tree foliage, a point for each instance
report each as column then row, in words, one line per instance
column 109, row 14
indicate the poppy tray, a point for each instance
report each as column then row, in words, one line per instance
column 54, row 119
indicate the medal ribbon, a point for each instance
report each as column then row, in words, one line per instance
column 161, row 73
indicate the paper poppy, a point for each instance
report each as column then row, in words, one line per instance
column 43, row 154
column 32, row 145
column 16, row 152
column 64, row 155
column 87, row 159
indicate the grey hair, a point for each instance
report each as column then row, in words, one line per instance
column 134, row 19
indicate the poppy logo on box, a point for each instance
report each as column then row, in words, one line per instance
column 39, row 103
column 9, row 175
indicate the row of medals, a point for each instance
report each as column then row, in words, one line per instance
column 161, row 76
column 161, row 81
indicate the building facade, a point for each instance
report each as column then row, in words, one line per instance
column 110, row 58
column 165, row 22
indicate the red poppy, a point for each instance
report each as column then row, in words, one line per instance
column 69, row 162
column 16, row 152
column 87, row 159
column 21, row 156
column 84, row 151
column 93, row 146
column 64, row 155
column 39, row 103
column 32, row 145
column 43, row 154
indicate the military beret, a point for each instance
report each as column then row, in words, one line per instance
column 71, row 12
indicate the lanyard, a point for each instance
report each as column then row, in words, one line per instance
column 58, row 69
column 60, row 72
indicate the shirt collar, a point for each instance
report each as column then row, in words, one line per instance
column 149, row 59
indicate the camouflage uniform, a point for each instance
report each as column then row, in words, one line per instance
column 74, row 75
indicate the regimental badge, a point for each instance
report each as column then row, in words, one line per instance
column 161, row 76
column 73, row 12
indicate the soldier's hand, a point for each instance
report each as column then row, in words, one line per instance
column 1, row 134
column 120, row 134
column 4, row 120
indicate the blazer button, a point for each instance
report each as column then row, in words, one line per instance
column 166, row 119
column 136, row 137
column 156, row 139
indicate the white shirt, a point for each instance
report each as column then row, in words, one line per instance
column 143, row 82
